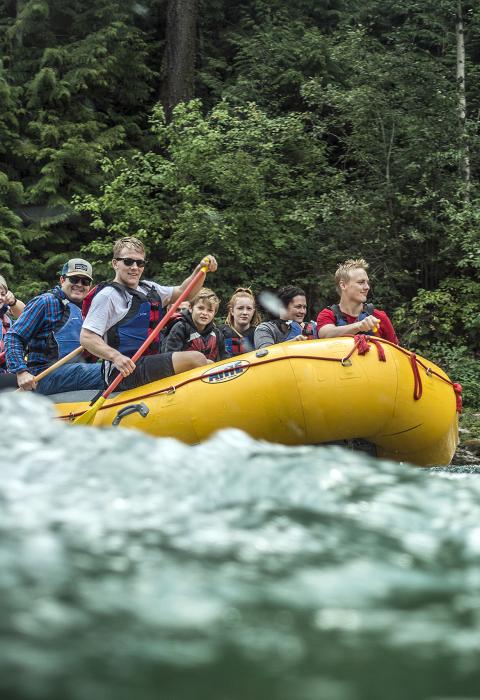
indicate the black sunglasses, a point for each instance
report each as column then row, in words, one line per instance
column 131, row 261
column 80, row 280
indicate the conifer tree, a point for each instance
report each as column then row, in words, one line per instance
column 12, row 248
column 81, row 77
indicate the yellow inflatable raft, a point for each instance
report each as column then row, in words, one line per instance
column 302, row 393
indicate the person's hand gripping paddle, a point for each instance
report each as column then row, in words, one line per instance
column 88, row 417
column 56, row 365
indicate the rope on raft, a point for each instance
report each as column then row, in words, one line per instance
column 361, row 345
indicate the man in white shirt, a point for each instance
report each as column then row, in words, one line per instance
column 123, row 312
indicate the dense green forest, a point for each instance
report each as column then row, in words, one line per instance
column 282, row 135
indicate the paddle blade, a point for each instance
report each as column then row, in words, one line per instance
column 88, row 417
column 271, row 303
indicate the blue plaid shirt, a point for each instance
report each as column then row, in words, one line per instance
column 30, row 332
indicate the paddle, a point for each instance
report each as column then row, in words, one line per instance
column 57, row 364
column 89, row 415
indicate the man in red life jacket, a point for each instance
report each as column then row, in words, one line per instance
column 352, row 315
column 119, row 320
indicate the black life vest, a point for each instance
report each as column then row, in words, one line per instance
column 340, row 319
column 177, row 316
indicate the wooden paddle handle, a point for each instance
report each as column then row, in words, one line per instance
column 58, row 364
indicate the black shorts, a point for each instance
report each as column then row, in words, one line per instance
column 148, row 369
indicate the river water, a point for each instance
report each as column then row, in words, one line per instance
column 233, row 570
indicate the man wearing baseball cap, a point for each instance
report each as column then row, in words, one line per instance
column 49, row 329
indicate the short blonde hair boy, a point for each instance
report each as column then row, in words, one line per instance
column 344, row 269
column 208, row 297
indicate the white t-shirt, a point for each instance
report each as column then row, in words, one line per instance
column 110, row 305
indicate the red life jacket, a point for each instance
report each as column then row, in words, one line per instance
column 207, row 345
column 237, row 345
column 310, row 330
column 235, row 342
column 210, row 343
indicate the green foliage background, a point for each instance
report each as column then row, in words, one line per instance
column 320, row 130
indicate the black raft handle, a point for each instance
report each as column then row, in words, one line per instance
column 128, row 410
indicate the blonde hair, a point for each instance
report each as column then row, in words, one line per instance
column 208, row 297
column 3, row 283
column 344, row 269
column 128, row 242
column 242, row 292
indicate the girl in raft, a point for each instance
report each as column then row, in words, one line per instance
column 242, row 319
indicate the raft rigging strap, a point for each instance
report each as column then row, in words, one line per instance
column 361, row 345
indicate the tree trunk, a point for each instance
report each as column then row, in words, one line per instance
column 18, row 36
column 462, row 101
column 180, row 49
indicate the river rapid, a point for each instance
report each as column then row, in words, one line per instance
column 132, row 567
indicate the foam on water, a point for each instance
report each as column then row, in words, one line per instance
column 136, row 567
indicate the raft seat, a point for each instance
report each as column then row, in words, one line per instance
column 77, row 396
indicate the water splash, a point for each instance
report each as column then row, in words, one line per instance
column 232, row 569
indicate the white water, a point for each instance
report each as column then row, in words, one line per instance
column 136, row 567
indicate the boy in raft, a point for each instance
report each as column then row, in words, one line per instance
column 123, row 312
column 352, row 315
column 47, row 330
column 196, row 330
column 291, row 324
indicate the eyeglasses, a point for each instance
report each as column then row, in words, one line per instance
column 80, row 280
column 131, row 261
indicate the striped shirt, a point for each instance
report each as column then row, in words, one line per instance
column 31, row 331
